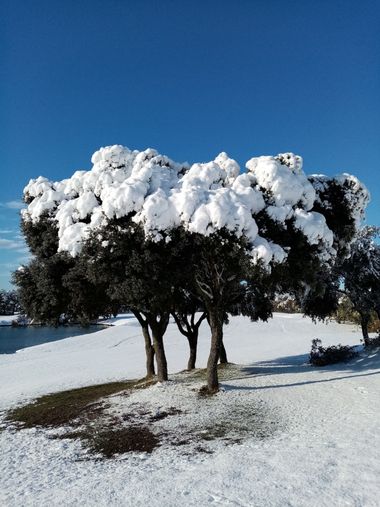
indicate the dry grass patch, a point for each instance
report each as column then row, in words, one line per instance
column 59, row 409
column 114, row 418
column 109, row 442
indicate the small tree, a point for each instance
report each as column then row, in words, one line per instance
column 188, row 314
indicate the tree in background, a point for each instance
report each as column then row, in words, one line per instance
column 9, row 302
column 361, row 274
column 188, row 313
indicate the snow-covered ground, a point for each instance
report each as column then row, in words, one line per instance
column 6, row 320
column 324, row 450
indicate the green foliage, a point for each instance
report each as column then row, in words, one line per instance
column 88, row 300
column 9, row 302
column 219, row 263
column 303, row 276
column 332, row 203
column 361, row 273
column 322, row 299
column 138, row 273
column 56, row 289
column 256, row 296
column 42, row 294
column 41, row 236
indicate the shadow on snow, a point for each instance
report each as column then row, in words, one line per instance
column 365, row 365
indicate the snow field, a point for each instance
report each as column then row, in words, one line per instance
column 322, row 449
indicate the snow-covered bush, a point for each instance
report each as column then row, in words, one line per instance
column 323, row 356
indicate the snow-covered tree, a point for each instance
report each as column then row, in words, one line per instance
column 341, row 200
column 269, row 215
column 361, row 272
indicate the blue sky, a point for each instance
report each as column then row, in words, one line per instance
column 190, row 79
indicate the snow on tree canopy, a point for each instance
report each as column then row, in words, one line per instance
column 160, row 194
column 356, row 194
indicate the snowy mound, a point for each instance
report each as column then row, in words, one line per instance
column 160, row 194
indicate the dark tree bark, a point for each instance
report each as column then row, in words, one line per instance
column 364, row 321
column 189, row 328
column 149, row 349
column 162, row 365
column 193, row 345
column 158, row 327
column 149, row 352
column 223, row 354
column 216, row 326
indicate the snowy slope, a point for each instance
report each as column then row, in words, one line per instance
column 324, row 451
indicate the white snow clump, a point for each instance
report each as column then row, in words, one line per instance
column 160, row 194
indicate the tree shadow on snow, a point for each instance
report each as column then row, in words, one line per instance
column 365, row 365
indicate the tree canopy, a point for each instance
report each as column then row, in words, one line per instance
column 146, row 231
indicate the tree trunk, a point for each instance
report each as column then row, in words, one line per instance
column 364, row 320
column 193, row 342
column 158, row 325
column 190, row 329
column 162, row 365
column 149, row 352
column 223, row 353
column 216, row 326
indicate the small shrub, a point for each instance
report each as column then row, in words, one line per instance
column 322, row 356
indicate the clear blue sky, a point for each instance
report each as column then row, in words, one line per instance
column 189, row 78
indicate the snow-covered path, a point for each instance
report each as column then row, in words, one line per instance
column 325, row 452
